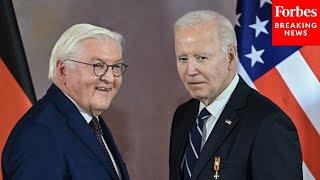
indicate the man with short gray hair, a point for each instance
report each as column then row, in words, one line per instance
column 63, row 135
column 227, row 130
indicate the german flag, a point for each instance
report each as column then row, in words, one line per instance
column 16, row 90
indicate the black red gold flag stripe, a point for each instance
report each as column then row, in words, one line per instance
column 16, row 90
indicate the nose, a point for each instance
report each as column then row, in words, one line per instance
column 108, row 76
column 192, row 68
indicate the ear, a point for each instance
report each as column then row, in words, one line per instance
column 232, row 56
column 60, row 71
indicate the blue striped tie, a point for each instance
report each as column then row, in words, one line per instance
column 194, row 144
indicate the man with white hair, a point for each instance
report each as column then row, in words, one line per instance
column 63, row 135
column 227, row 130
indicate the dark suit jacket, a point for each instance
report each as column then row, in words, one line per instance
column 261, row 142
column 53, row 141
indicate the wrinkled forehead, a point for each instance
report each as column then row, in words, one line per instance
column 88, row 43
column 209, row 26
column 203, row 30
column 92, row 43
column 102, row 48
column 102, row 40
column 198, row 35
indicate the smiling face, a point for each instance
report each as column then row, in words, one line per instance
column 203, row 67
column 90, row 92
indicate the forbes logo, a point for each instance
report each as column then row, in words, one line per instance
column 295, row 12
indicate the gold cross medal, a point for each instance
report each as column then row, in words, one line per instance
column 216, row 167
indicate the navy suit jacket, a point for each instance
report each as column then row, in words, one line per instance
column 53, row 141
column 261, row 143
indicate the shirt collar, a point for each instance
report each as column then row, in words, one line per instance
column 220, row 101
column 84, row 114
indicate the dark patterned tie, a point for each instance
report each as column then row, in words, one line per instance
column 193, row 148
column 95, row 126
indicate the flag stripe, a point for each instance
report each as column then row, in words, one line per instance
column 245, row 75
column 286, row 101
column 306, row 173
column 11, row 49
column 302, row 82
column 14, row 103
column 16, row 92
column 293, row 84
column 312, row 56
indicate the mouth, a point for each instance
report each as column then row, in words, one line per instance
column 195, row 83
column 103, row 89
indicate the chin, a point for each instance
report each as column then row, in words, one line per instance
column 106, row 106
column 103, row 107
column 196, row 94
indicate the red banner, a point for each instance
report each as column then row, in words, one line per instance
column 295, row 23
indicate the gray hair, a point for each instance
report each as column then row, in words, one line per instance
column 225, row 31
column 65, row 46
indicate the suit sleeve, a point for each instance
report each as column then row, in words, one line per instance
column 35, row 156
column 171, row 172
column 276, row 152
column 172, row 151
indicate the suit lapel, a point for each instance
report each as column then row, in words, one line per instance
column 114, row 150
column 80, row 127
column 215, row 140
column 223, row 127
column 188, row 118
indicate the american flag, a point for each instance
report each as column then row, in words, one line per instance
column 288, row 75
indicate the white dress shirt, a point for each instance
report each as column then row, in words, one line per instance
column 215, row 108
column 88, row 118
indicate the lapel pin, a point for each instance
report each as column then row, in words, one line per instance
column 228, row 121
column 216, row 167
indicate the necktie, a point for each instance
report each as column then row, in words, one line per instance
column 193, row 148
column 95, row 126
